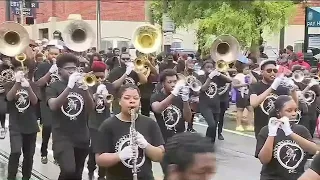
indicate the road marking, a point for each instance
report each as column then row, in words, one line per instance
column 228, row 130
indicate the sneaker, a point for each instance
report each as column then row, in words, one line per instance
column 2, row 133
column 250, row 128
column 239, row 128
column 44, row 160
column 191, row 130
column 220, row 137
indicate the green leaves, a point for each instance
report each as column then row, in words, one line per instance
column 242, row 19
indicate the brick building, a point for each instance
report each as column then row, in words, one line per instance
column 114, row 10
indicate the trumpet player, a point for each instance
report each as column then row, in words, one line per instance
column 263, row 92
column 209, row 99
column 282, row 145
column 70, row 101
column 129, row 141
column 103, row 93
column 43, row 77
column 124, row 74
column 22, row 97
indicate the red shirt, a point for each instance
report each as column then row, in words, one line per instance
column 302, row 63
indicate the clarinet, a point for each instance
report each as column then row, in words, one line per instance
column 133, row 143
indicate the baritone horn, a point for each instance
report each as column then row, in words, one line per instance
column 14, row 38
column 224, row 51
column 78, row 36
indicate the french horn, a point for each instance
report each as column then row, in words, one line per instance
column 224, row 51
column 14, row 38
column 78, row 36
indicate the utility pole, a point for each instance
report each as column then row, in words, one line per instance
column 167, row 28
column 8, row 10
column 98, row 19
column 21, row 12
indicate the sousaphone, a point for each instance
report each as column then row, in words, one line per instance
column 14, row 39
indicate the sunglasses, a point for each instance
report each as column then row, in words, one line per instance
column 270, row 70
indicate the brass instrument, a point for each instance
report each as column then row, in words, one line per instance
column 90, row 80
column 224, row 51
column 190, row 81
column 134, row 144
column 109, row 98
column 55, row 75
column 298, row 76
column 14, row 38
column 22, row 57
column 146, row 39
column 78, row 36
column 309, row 97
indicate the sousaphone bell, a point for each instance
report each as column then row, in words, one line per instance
column 14, row 39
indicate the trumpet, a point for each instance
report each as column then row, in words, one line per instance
column 90, row 80
column 191, row 81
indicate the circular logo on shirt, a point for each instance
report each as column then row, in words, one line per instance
column 289, row 154
column 129, row 80
column 23, row 101
column 100, row 107
column 171, row 116
column 123, row 142
column 212, row 90
column 74, row 105
column 268, row 103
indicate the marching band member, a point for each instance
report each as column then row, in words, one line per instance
column 22, row 97
column 189, row 156
column 3, row 108
column 124, row 74
column 264, row 92
column 209, row 100
column 121, row 144
column 101, row 112
column 241, row 83
column 282, row 145
column 70, row 102
column 42, row 77
column 147, row 88
column 171, row 105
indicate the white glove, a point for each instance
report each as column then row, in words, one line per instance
column 18, row 76
column 73, row 79
column 273, row 126
column 312, row 83
column 177, row 88
column 276, row 83
column 54, row 68
column 185, row 93
column 101, row 88
column 285, row 126
column 214, row 73
column 83, row 87
column 126, row 153
column 128, row 70
column 25, row 83
column 142, row 142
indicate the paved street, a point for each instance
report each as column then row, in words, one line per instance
column 234, row 155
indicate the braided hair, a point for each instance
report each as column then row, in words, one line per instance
column 181, row 148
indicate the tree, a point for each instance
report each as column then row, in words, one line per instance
column 246, row 20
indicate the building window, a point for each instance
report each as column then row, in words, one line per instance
column 121, row 44
column 106, row 44
column 176, row 45
column 44, row 33
column 298, row 47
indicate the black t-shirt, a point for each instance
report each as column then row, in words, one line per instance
column 171, row 119
column 69, row 121
column 260, row 117
column 101, row 112
column 42, row 70
column 315, row 165
column 166, row 65
column 22, row 113
column 114, row 135
column 115, row 74
column 223, row 90
column 210, row 97
column 146, row 89
column 288, row 158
